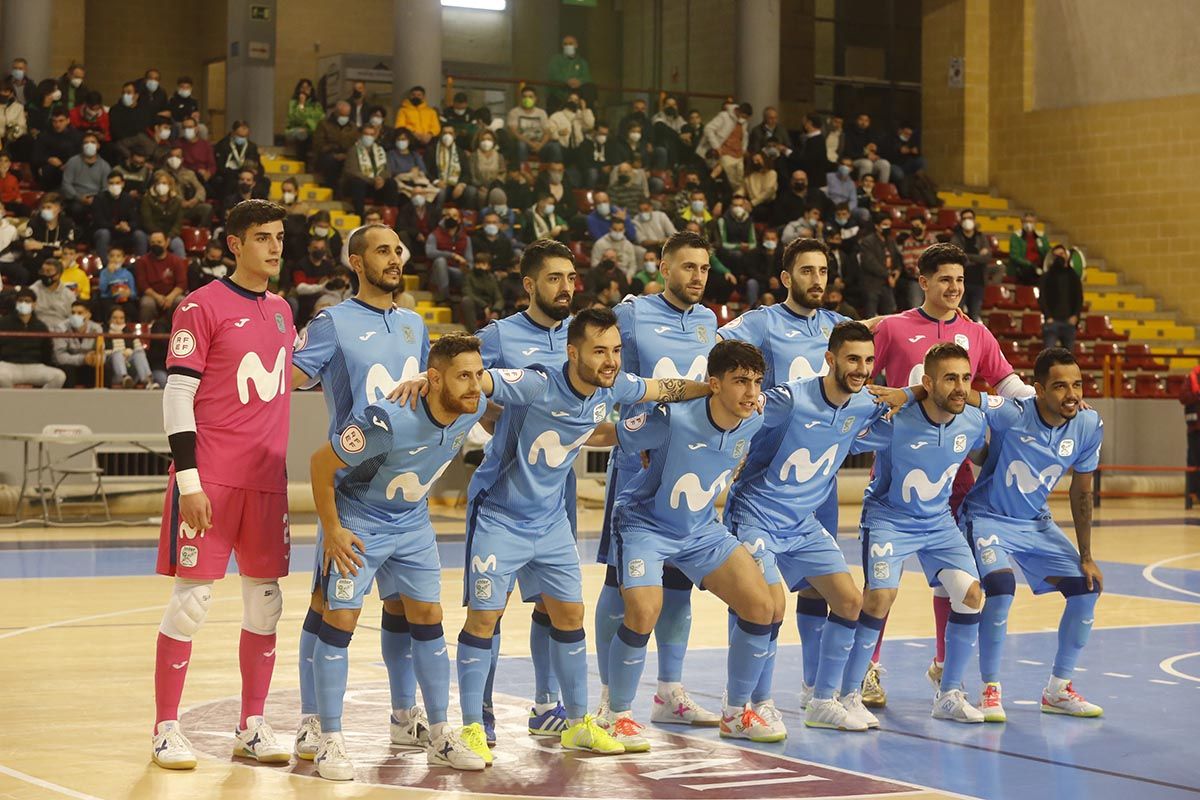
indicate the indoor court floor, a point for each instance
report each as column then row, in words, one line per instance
column 81, row 608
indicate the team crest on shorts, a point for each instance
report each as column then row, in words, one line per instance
column 458, row 440
column 409, row 337
column 702, row 334
column 637, row 568
column 988, row 556
column 739, row 448
column 881, row 570
column 599, row 413
column 483, row 588
column 962, row 341
column 188, row 555
column 848, row 424
column 1066, row 447
column 960, row 443
column 279, row 322
column 343, row 589
column 353, row 440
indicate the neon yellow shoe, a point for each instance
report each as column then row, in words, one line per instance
column 587, row 735
column 473, row 737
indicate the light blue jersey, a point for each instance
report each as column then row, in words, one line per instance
column 358, row 353
column 1027, row 456
column 517, row 341
column 796, row 454
column 793, row 345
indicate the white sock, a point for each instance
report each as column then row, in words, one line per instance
column 665, row 689
column 401, row 714
column 542, row 708
column 437, row 729
column 1056, row 684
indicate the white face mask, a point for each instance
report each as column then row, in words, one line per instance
column 968, row 225
column 501, row 209
column 77, row 321
column 162, row 189
column 601, row 138
column 697, row 206
column 184, row 93
column 770, row 244
column 616, row 236
column 569, row 50
column 164, row 134
column 418, row 200
column 115, row 189
column 24, row 309
column 635, row 136
column 189, row 133
column 368, row 141
column 174, row 162
column 486, row 145
column 447, row 139
column 650, row 266
column 56, row 95
column 402, row 145
column 76, row 82
column 644, row 216
column 152, row 85
column 342, row 120
column 321, row 232
column 377, row 121
column 1028, row 226
column 603, row 209
column 116, row 327
column 89, row 149
column 127, row 99
column 289, row 197
column 739, row 213
column 549, row 212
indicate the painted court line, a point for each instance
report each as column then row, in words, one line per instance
column 1168, row 666
column 41, row 784
column 1117, row 675
column 1148, row 574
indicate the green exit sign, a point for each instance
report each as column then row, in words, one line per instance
column 260, row 12
column 583, row 3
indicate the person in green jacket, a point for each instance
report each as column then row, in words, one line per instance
column 303, row 116
column 1023, row 264
column 482, row 298
column 570, row 72
column 162, row 210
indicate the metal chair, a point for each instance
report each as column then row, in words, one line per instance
column 78, row 462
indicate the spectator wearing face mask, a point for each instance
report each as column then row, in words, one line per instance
column 697, row 210
column 53, row 148
column 77, row 356
column 449, row 170
column 196, row 210
column 332, row 141
column 762, row 186
column 420, row 118
column 46, row 100
column 664, row 130
column 490, row 238
column 126, row 355
column 309, row 275
column 979, row 256
column 793, row 199
column 408, row 168
column 596, row 157
column 908, row 288
column 12, row 270
column 879, row 265
column 127, row 121
column 1061, row 301
column 74, row 90
column 303, row 116
column 543, row 221
column 509, row 219
column 334, row 290
column 488, row 166
column 840, row 187
column 647, row 276
column 162, row 210
column 616, row 246
column 54, row 297
column 653, row 227
column 760, row 264
column 449, row 248
column 232, row 155
column 366, row 173
column 529, row 125
column 24, row 86
column 117, row 284
column 725, row 139
column 161, row 278
column 861, row 143
column 634, row 147
column 602, row 216
column 571, row 74
column 482, row 299
column 12, row 115
column 181, row 103
column 570, row 125
column 154, row 97
column 247, row 187
column 27, row 360
column 198, row 153
column 1027, row 251
column 10, row 189
column 415, row 222
column 556, row 181
column 207, row 267
column 116, row 218
column 627, row 186
column 48, row 233
column 84, row 177
column 459, row 117
column 321, row 229
column 770, row 129
column 735, row 234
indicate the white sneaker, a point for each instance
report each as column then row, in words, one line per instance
column 853, row 703
column 681, row 709
column 829, row 713
column 603, row 711
column 934, row 675
column 308, row 738
column 412, row 729
column 170, row 749
column 447, row 749
column 626, row 730
column 259, row 742
column 806, row 695
column 1067, row 701
column 954, row 706
column 770, row 714
column 745, row 723
column 333, row 763
column 990, row 705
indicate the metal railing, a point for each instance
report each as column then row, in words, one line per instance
column 98, row 348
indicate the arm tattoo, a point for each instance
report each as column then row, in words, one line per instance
column 1081, row 515
column 670, row 390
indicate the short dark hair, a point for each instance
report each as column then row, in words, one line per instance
column 83, row 303
column 249, row 213
column 92, row 98
column 938, row 255
column 966, row 211
column 1049, row 358
column 58, row 111
column 356, row 245
column 685, row 238
column 849, row 331
column 536, row 254
column 29, row 293
column 732, row 354
column 417, row 88
column 450, row 346
column 797, row 247
column 601, row 318
column 184, row 79
column 943, row 351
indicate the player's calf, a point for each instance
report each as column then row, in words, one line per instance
column 185, row 613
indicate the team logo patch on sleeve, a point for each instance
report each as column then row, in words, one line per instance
column 995, row 401
column 183, row 343
column 599, row 413
column 635, row 423
column 733, row 323
column 279, row 322
column 511, row 375
column 353, row 440
column 301, row 340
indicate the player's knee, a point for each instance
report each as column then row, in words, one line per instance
column 959, row 584
column 344, row 619
column 317, row 601
column 481, row 623
column 1075, row 586
column 419, row 613
column 999, row 583
column 187, row 609
column 809, row 593
column 540, row 606
column 641, row 614
column 847, row 606
column 395, row 607
column 779, row 601
column 262, row 605
column 876, row 602
column 974, row 598
column 567, row 616
column 757, row 607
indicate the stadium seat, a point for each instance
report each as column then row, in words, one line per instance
column 581, row 258
column 1027, row 298
column 388, row 214
column 1031, row 324
column 1015, row 354
column 1000, row 323
column 1086, row 357
column 1099, row 326
column 1091, row 387
column 994, row 296
column 946, row 218
column 31, row 197
column 1148, row 385
column 1175, row 384
column 583, row 200
column 195, row 239
column 91, row 264
column 1138, row 356
column 886, row 193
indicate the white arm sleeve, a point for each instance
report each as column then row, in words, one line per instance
column 178, row 396
column 1014, row 388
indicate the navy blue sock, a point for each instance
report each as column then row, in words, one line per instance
column 810, row 621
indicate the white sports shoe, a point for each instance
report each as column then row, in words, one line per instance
column 308, row 738
column 853, row 703
column 954, row 706
column 745, row 723
column 412, row 729
column 170, row 749
column 603, row 711
column 934, row 675
column 626, row 730
column 806, row 695
column 829, row 713
column 447, row 749
column 770, row 714
column 259, row 742
column 1068, row 701
column 990, row 705
column 333, row 763
column 681, row 709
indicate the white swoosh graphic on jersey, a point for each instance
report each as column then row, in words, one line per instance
column 530, row 351
column 917, row 338
column 662, row 329
column 665, row 368
column 697, row 496
column 380, row 381
column 918, row 482
column 556, row 452
column 801, row 369
column 409, row 483
column 918, row 445
column 1028, row 481
column 805, row 467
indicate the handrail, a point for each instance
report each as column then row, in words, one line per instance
column 522, row 82
column 1098, row 493
column 99, row 348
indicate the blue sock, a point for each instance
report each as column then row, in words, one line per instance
column 763, row 690
column 671, row 633
column 855, row 661
column 544, row 680
column 396, row 642
column 1075, row 626
column 308, row 640
column 961, row 632
column 626, row 660
column 431, row 666
column 748, row 646
column 331, row 664
column 999, row 588
column 494, row 659
column 474, row 661
column 810, row 621
column 610, row 613
column 568, row 651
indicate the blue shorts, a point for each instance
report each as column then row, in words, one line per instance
column 639, row 553
column 618, row 477
column 499, row 550
column 1039, row 547
column 791, row 559
column 403, row 563
column 526, row 580
column 938, row 545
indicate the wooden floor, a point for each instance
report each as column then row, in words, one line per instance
column 82, row 607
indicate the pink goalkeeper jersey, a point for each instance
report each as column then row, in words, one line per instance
column 902, row 340
column 239, row 344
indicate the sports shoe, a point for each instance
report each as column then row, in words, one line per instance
column 474, row 738
column 551, row 722
column 745, row 723
column 308, row 738
column 829, row 713
column 681, row 709
column 934, row 674
column 626, row 730
column 1068, row 701
column 259, row 742
column 954, row 706
column 333, row 763
column 448, row 749
column 489, row 726
column 412, row 730
column 588, row 735
column 853, row 703
column 770, row 714
column 806, row 695
column 170, row 749
column 872, row 690
column 989, row 704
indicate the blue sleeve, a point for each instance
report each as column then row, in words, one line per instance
column 368, row 436
column 1000, row 412
column 627, row 325
column 489, row 339
column 1088, row 455
column 318, row 342
column 746, row 328
column 517, row 387
column 424, row 346
column 646, row 431
column 876, row 437
column 629, row 389
column 777, row 411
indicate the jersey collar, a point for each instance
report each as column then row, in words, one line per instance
column 681, row 312
column 242, row 291
column 537, row 324
column 713, row 422
column 796, row 315
column 369, row 307
column 567, row 380
column 429, row 413
column 950, row 321
column 825, row 397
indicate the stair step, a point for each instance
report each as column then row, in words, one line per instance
column 300, row 178
column 434, row 314
column 422, row 296
column 1099, row 277
column 1111, row 302
column 276, row 150
column 1153, row 329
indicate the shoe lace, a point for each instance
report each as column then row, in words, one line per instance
column 266, row 735
column 1069, row 691
column 751, row 718
column 628, row 726
column 176, row 740
column 681, row 697
column 335, row 749
column 854, row 702
column 768, row 712
column 417, row 718
column 312, row 725
column 991, row 695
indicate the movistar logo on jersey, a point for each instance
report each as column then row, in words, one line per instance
column 268, row 383
column 806, row 468
column 410, row 486
column 380, row 381
column 694, row 493
column 918, row 483
column 552, row 446
column 1027, row 481
column 881, row 550
column 666, row 368
column 801, row 369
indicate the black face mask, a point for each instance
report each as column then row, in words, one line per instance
column 48, row 280
column 671, row 111
column 572, row 106
column 416, row 101
column 449, row 223
column 316, row 256
column 157, row 250
column 245, row 187
column 1060, row 262
column 799, row 187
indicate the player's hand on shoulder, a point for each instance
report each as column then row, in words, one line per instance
column 196, row 510
column 339, row 546
column 410, row 391
column 894, row 398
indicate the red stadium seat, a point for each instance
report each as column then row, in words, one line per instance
column 994, row 296
column 886, row 193
column 666, row 177
column 1031, row 324
column 388, row 214
column 1098, row 326
column 1175, row 384
column 581, row 258
column 1027, row 298
column 1086, row 357
column 1138, row 356
column 583, row 200
column 1091, row 387
column 946, row 218
column 91, row 264
column 195, row 239
column 1148, row 385
column 1000, row 323
column 31, row 197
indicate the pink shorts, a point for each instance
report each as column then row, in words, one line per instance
column 250, row 523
